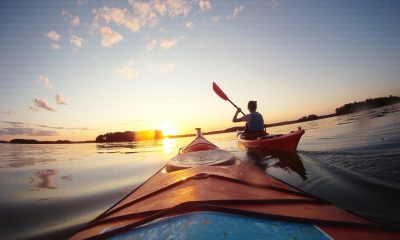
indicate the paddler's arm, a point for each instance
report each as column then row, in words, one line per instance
column 241, row 119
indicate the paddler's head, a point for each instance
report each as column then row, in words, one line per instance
column 252, row 106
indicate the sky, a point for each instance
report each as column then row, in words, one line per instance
column 77, row 69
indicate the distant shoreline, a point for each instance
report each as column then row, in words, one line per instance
column 345, row 109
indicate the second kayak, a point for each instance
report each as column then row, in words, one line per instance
column 280, row 142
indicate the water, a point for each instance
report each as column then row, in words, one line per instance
column 49, row 191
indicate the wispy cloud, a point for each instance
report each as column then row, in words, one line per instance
column 151, row 45
column 215, row 19
column 45, row 81
column 109, row 37
column 55, row 46
column 168, row 43
column 40, row 103
column 205, row 5
column 236, row 11
column 8, row 112
column 72, row 19
column 32, row 108
column 54, row 38
column 31, row 125
column 60, row 99
column 76, row 41
column 189, row 25
column 27, row 132
column 128, row 71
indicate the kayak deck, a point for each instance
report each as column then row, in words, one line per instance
column 239, row 188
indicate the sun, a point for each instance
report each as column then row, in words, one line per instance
column 167, row 130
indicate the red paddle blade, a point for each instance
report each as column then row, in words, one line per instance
column 219, row 92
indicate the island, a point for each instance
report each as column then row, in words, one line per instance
column 367, row 104
column 33, row 141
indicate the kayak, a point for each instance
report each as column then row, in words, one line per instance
column 207, row 193
column 280, row 142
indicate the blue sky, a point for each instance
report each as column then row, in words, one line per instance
column 76, row 69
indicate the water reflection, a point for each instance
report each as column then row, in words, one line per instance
column 287, row 161
column 168, row 145
column 43, row 179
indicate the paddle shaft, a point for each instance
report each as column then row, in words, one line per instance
column 236, row 107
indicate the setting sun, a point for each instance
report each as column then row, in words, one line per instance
column 167, row 129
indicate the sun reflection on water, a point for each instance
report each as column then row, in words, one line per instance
column 168, row 145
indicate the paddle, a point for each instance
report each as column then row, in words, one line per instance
column 222, row 95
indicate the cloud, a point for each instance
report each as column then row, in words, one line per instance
column 15, row 124
column 120, row 17
column 45, row 81
column 39, row 103
column 76, row 41
column 205, row 5
column 60, row 99
column 73, row 20
column 27, row 132
column 236, row 11
column 109, row 37
column 144, row 13
column 177, row 7
column 168, row 43
column 55, row 46
column 189, row 24
column 54, row 38
column 151, row 45
column 128, row 71
column 215, row 19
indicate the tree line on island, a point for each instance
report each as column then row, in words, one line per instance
column 367, row 104
column 131, row 136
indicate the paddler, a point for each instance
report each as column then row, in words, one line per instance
column 254, row 121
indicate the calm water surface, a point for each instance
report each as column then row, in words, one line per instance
column 49, row 191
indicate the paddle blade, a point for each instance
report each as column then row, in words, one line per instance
column 219, row 92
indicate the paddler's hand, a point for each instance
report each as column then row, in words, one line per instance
column 238, row 110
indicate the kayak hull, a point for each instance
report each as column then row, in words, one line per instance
column 285, row 142
column 232, row 200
